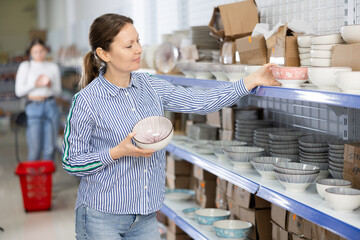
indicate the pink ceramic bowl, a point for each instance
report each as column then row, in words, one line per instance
column 153, row 132
column 290, row 73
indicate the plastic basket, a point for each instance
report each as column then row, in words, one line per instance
column 36, row 184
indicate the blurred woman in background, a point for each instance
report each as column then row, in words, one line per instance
column 39, row 81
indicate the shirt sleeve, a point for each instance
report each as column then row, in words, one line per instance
column 79, row 158
column 189, row 100
column 56, row 86
column 22, row 85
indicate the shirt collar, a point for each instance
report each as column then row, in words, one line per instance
column 112, row 88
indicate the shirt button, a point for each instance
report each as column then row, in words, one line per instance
column 145, row 170
column 126, row 94
column 133, row 109
column 145, row 187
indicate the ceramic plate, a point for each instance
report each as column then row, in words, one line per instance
column 179, row 194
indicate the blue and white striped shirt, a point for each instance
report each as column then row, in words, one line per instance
column 102, row 115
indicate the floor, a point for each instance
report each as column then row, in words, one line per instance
column 57, row 224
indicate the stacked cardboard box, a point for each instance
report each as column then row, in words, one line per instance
column 178, row 172
column 346, row 55
column 173, row 232
column 221, row 199
column 205, row 187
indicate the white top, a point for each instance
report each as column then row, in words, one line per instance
column 29, row 72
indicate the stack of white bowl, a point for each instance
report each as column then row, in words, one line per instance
column 218, row 72
column 244, row 129
column 186, row 68
column 321, row 47
column 295, row 177
column 216, row 147
column 202, row 131
column 314, row 150
column 201, row 70
column 304, row 44
column 336, row 158
column 285, row 144
column 262, row 139
column 265, row 166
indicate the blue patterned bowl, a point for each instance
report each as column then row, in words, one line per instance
column 189, row 212
column 232, row 229
column 207, row 216
column 179, row 194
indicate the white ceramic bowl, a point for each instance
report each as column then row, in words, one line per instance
column 304, row 50
column 296, row 182
column 324, row 47
column 207, row 216
column 186, row 69
column 179, row 194
column 320, row 54
column 242, row 153
column 217, row 71
column 305, row 62
column 351, row 33
column 251, row 69
column 348, row 82
column 327, row 39
column 234, row 72
column 153, row 132
column 232, row 229
column 264, row 165
column 324, row 77
column 201, row 70
column 320, row 62
column 304, row 41
column 304, row 56
column 295, row 168
column 323, row 184
column 343, row 199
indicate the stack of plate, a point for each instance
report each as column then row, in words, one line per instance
column 202, row 131
column 262, row 139
column 304, row 43
column 215, row 55
column 248, row 113
column 321, row 47
column 314, row 150
column 200, row 36
column 244, row 129
column 285, row 144
column 336, row 158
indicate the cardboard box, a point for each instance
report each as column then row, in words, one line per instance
column 283, row 48
column 177, row 182
column 279, row 216
column 252, row 50
column 207, row 187
column 221, row 183
column 346, row 55
column 319, row 233
column 172, row 236
column 247, row 200
column 174, row 228
column 296, row 237
column 351, row 170
column 221, row 199
column 228, row 122
column 214, row 119
column 230, row 190
column 178, row 167
column 231, row 21
column 260, row 218
column 233, row 208
column 204, row 200
column 278, row 233
column 299, row 225
column 202, row 174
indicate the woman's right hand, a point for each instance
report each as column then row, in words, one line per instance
column 126, row 148
column 43, row 81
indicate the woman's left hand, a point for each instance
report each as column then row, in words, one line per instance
column 262, row 77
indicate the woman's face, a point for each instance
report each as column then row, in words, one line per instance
column 125, row 50
column 38, row 53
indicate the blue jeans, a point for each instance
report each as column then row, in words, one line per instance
column 42, row 129
column 94, row 225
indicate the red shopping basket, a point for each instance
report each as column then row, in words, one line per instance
column 36, row 183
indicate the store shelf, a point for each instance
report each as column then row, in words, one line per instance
column 301, row 94
column 173, row 210
column 308, row 205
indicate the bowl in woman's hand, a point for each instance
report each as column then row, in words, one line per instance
column 153, row 132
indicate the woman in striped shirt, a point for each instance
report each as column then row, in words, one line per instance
column 122, row 186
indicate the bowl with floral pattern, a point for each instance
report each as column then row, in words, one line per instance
column 207, row 216
column 290, row 76
column 232, row 229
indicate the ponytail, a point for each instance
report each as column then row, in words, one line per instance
column 91, row 69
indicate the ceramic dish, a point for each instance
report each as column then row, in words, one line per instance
column 179, row 194
column 189, row 212
column 264, row 165
column 343, row 199
column 320, row 62
column 207, row 216
column 351, row 33
column 324, row 77
column 295, row 168
column 325, row 47
column 153, row 132
column 296, row 182
column 232, row 229
column 348, row 81
column 320, row 54
column 323, row 184
column 304, row 41
column 290, row 73
column 327, row 39
column 304, row 50
column 217, row 71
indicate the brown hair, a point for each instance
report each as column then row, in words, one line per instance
column 102, row 33
column 35, row 42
